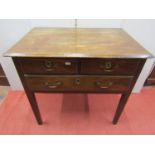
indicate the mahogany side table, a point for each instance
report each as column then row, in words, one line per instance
column 68, row 60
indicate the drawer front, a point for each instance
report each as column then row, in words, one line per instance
column 109, row 66
column 48, row 66
column 79, row 83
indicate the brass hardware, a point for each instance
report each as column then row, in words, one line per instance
column 103, row 85
column 53, row 85
column 111, row 69
column 107, row 67
column 49, row 65
column 77, row 81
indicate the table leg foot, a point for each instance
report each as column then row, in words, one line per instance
column 120, row 107
column 34, row 106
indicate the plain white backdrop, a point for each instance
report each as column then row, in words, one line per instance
column 11, row 31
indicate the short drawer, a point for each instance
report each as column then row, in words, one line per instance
column 109, row 66
column 48, row 66
column 79, row 83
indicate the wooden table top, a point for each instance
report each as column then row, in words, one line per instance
column 80, row 42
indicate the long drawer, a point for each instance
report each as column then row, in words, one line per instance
column 78, row 83
column 48, row 66
column 109, row 66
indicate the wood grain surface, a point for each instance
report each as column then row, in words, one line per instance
column 81, row 42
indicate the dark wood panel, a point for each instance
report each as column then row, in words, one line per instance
column 150, row 81
column 3, row 79
column 110, row 66
column 79, row 83
column 49, row 66
column 1, row 71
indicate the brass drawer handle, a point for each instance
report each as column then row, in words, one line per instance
column 49, row 65
column 53, row 85
column 103, row 85
column 107, row 67
column 108, row 70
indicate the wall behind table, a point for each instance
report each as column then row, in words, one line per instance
column 11, row 31
column 99, row 23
